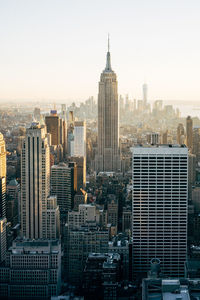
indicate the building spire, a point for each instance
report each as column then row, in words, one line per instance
column 108, row 61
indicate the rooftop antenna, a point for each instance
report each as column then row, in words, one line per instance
column 108, row 42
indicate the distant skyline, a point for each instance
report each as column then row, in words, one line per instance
column 56, row 49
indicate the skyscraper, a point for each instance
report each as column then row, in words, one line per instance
column 159, row 213
column 180, row 134
column 13, row 202
column 62, row 186
column 53, row 127
column 2, row 177
column 108, row 158
column 35, row 182
column 3, row 221
column 189, row 132
column 145, row 88
column 81, row 170
column 79, row 143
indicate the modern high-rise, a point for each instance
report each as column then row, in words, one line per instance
column 79, row 143
column 189, row 132
column 145, row 89
column 3, row 220
column 2, row 177
column 159, row 208
column 108, row 156
column 62, row 186
column 2, row 156
column 35, row 182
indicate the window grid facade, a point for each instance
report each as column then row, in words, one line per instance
column 159, row 211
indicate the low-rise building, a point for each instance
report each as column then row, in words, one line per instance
column 32, row 270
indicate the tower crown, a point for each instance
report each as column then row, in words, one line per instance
column 108, row 60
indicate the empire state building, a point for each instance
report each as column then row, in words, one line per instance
column 108, row 157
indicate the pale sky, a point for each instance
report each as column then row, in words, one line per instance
column 56, row 49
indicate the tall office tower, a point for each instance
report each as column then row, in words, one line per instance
column 13, row 202
column 81, row 170
column 3, row 240
column 53, row 126
column 180, row 134
column 191, row 173
column 189, row 132
column 108, row 156
column 70, row 132
column 159, row 210
column 35, row 182
column 32, row 270
column 37, row 114
column 3, row 221
column 2, row 177
column 196, row 143
column 73, row 167
column 79, row 143
column 2, row 197
column 145, row 89
column 63, row 112
column 62, row 186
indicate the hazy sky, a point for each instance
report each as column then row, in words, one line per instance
column 57, row 48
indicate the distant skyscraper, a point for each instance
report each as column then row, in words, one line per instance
column 35, row 182
column 189, row 132
column 196, row 142
column 108, row 158
column 53, row 127
column 180, row 134
column 145, row 89
column 159, row 213
column 79, row 143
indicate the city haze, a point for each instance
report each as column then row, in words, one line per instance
column 57, row 49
